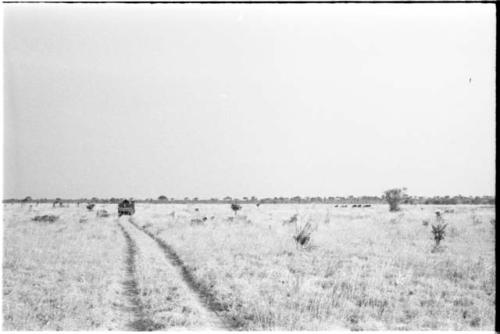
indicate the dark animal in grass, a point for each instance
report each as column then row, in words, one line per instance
column 90, row 206
column 367, row 205
column 337, row 206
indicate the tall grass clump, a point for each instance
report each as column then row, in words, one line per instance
column 303, row 234
column 292, row 220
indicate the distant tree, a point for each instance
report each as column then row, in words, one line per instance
column 162, row 198
column 235, row 207
column 394, row 197
column 27, row 199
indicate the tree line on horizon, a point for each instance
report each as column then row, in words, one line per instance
column 443, row 200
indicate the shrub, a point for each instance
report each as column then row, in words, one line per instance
column 198, row 221
column 394, row 197
column 102, row 213
column 438, row 230
column 475, row 220
column 46, row 218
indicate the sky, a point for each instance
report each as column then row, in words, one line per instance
column 265, row 100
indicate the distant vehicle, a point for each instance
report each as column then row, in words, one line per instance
column 126, row 207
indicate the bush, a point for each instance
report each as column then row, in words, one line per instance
column 394, row 197
column 438, row 230
column 102, row 213
column 46, row 218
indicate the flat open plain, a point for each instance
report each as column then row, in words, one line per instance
column 167, row 267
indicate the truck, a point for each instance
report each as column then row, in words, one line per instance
column 126, row 207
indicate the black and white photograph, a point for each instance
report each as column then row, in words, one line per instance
column 251, row 166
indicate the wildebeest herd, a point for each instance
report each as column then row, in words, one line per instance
column 354, row 205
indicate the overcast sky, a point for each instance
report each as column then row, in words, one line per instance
column 242, row 100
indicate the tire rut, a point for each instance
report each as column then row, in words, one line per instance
column 206, row 299
column 131, row 289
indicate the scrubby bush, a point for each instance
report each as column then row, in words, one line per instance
column 438, row 230
column 198, row 221
column 102, row 213
column 394, row 197
column 46, row 218
column 476, row 220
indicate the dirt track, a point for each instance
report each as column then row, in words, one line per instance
column 145, row 247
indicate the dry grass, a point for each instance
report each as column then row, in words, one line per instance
column 363, row 268
column 366, row 269
column 63, row 275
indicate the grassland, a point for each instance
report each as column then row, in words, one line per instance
column 365, row 269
